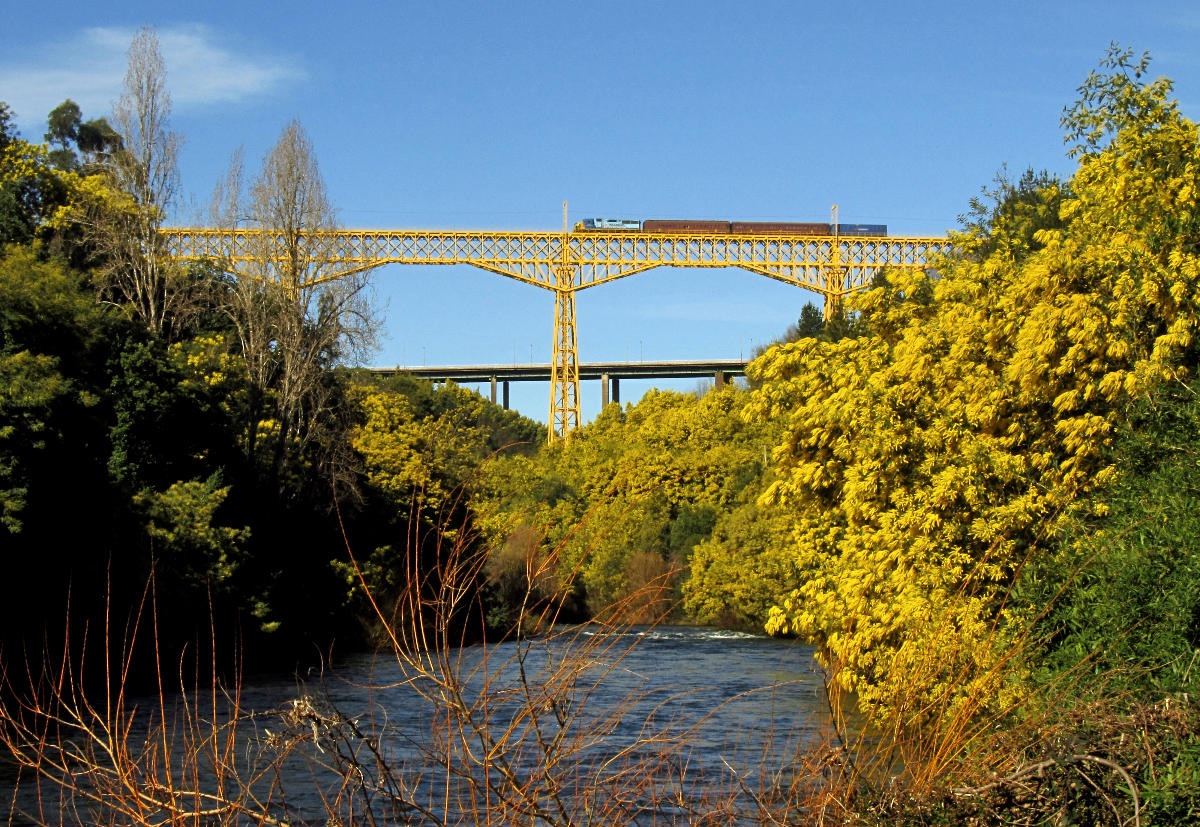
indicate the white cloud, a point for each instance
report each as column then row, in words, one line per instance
column 89, row 68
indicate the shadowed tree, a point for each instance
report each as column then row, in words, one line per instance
column 62, row 131
column 8, row 130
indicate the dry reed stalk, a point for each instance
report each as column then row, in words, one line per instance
column 106, row 761
column 519, row 733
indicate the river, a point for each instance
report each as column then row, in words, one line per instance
column 645, row 725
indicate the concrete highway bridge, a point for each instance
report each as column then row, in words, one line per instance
column 610, row 374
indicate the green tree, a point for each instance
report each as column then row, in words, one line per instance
column 644, row 483
column 1007, row 217
column 79, row 144
column 416, row 460
column 1123, row 585
column 809, row 326
column 164, row 428
column 30, row 386
column 49, row 329
column 739, row 570
column 419, row 449
column 190, row 548
column 62, row 131
column 59, row 520
column 8, row 129
column 813, row 325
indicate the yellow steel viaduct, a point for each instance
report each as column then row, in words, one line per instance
column 564, row 262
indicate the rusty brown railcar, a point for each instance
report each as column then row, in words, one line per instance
column 780, row 228
column 684, row 225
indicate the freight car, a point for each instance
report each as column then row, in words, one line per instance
column 684, row 225
column 862, row 229
column 708, row 227
column 776, row 227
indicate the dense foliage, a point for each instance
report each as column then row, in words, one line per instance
column 1123, row 584
column 198, row 426
column 981, row 483
column 924, row 463
column 621, row 505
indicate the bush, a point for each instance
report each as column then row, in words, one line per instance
column 1129, row 569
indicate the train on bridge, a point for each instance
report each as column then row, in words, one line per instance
column 687, row 225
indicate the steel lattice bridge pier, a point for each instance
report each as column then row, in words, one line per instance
column 564, row 263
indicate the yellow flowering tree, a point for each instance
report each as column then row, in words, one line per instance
column 411, row 458
column 923, row 462
column 630, row 493
column 32, row 191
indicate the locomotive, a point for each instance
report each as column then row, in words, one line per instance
column 687, row 225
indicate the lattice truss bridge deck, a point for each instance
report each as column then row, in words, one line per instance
column 564, row 263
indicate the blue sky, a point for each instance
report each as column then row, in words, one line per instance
column 488, row 115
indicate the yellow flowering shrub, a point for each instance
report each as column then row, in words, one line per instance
column 406, row 457
column 921, row 464
column 648, row 480
column 32, row 192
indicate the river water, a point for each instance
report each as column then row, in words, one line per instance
column 636, row 725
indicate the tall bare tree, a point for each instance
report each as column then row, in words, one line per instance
column 143, row 180
column 297, row 314
column 224, row 209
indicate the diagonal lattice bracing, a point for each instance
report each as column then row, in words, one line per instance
column 567, row 262
column 610, row 253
